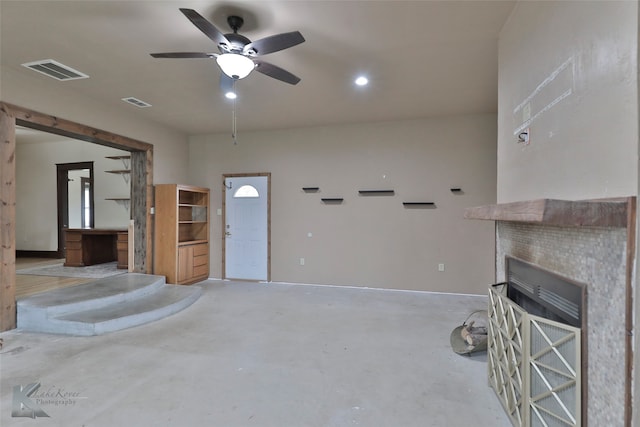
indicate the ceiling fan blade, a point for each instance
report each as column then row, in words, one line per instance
column 183, row 55
column 273, row 43
column 205, row 26
column 276, row 72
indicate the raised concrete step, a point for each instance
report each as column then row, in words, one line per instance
column 105, row 305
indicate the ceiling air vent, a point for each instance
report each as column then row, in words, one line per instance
column 136, row 102
column 55, row 69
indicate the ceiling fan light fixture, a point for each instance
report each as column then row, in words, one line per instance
column 361, row 81
column 235, row 65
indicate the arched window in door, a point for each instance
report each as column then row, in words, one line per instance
column 246, row 191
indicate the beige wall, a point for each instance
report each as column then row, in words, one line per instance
column 571, row 69
column 48, row 96
column 367, row 241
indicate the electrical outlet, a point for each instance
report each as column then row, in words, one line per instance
column 440, row 267
column 301, row 261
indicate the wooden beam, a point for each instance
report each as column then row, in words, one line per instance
column 53, row 124
column 629, row 304
column 7, row 220
column 586, row 213
column 142, row 187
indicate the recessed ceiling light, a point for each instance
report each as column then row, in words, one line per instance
column 362, row 81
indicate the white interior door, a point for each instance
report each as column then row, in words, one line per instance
column 246, row 227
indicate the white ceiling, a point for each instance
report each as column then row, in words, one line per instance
column 423, row 58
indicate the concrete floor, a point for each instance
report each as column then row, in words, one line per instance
column 267, row 355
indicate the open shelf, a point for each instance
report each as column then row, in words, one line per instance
column 419, row 204
column 191, row 242
column 376, row 192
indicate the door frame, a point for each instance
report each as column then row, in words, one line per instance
column 224, row 218
column 141, row 192
column 62, row 171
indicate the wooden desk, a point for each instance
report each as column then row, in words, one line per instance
column 89, row 246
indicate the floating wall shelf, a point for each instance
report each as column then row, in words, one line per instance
column 126, row 160
column 334, row 200
column 310, row 189
column 376, row 192
column 419, row 204
column 121, row 201
column 124, row 173
column 456, row 190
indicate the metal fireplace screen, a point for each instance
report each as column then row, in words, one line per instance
column 534, row 356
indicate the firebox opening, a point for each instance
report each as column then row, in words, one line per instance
column 545, row 294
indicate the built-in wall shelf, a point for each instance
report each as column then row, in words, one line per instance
column 419, row 204
column 310, row 189
column 376, row 192
column 332, row 200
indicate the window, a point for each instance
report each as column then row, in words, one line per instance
column 246, row 191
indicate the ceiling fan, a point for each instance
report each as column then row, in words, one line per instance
column 238, row 55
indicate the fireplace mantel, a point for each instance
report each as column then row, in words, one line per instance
column 584, row 213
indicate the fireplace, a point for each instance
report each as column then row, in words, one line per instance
column 589, row 245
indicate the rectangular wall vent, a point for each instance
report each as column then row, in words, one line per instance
column 136, row 102
column 55, row 70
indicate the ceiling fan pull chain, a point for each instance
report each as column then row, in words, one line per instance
column 233, row 118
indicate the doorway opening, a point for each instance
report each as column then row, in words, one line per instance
column 141, row 191
column 75, row 199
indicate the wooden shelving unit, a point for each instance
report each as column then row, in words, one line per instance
column 181, row 237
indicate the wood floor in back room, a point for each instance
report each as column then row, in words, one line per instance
column 30, row 284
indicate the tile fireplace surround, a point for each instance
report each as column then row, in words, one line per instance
column 591, row 242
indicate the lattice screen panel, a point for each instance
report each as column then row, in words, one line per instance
column 534, row 365
column 504, row 353
column 554, row 374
